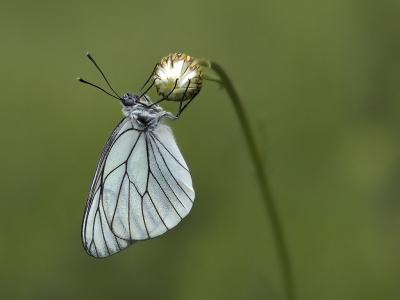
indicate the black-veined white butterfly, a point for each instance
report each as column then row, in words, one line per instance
column 142, row 186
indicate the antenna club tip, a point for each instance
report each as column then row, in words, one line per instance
column 88, row 54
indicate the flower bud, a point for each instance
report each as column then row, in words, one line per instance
column 180, row 74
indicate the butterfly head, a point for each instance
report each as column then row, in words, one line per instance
column 129, row 99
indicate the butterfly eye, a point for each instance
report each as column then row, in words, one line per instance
column 128, row 101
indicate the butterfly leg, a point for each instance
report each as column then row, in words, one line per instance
column 143, row 94
column 183, row 97
column 152, row 73
column 158, row 101
column 181, row 110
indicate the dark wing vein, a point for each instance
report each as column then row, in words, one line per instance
column 137, row 190
column 102, row 231
column 125, row 162
column 94, row 186
column 105, row 152
column 155, row 207
column 144, row 220
column 148, row 176
column 116, row 204
column 154, row 136
column 129, row 207
column 159, row 170
column 162, row 157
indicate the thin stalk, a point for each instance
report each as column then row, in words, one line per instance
column 263, row 181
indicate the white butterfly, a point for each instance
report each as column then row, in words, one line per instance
column 142, row 186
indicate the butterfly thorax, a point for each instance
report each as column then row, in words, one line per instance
column 144, row 112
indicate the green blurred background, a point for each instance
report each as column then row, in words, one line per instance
column 320, row 82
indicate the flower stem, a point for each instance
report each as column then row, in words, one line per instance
column 263, row 181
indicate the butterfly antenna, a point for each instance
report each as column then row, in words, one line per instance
column 84, row 81
column 91, row 58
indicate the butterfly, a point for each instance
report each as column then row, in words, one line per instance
column 142, row 186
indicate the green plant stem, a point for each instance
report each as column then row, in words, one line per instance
column 263, row 181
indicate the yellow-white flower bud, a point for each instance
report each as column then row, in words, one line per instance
column 181, row 67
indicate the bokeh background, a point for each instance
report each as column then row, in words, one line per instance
column 320, row 83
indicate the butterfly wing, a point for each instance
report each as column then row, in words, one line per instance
column 170, row 195
column 97, row 238
column 141, row 189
